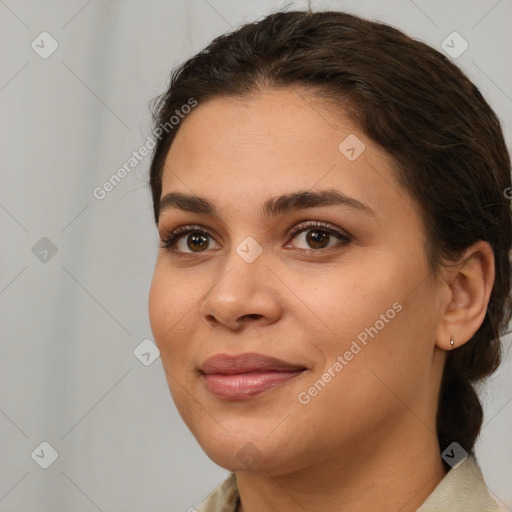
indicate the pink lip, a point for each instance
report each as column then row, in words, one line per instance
column 246, row 375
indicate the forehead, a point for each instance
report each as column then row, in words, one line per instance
column 282, row 123
column 243, row 151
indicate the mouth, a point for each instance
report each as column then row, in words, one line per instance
column 246, row 375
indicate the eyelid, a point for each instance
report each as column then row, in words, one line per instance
column 185, row 228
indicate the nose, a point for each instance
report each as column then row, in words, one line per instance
column 243, row 295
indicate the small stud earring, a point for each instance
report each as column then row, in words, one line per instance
column 452, row 342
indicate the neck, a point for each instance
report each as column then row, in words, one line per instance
column 389, row 476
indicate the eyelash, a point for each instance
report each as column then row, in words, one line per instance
column 169, row 239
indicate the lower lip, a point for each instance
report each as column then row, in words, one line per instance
column 245, row 385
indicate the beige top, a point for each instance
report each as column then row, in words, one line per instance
column 462, row 489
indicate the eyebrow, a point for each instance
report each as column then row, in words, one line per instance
column 272, row 207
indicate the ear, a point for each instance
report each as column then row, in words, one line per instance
column 467, row 285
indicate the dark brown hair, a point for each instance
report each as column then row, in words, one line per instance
column 445, row 139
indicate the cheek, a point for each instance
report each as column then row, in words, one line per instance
column 374, row 383
column 160, row 304
column 351, row 298
column 170, row 301
column 170, row 305
column 374, row 323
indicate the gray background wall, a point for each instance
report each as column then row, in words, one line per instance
column 70, row 320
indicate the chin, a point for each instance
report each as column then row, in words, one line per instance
column 245, row 452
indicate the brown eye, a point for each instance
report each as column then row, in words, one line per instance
column 317, row 236
column 188, row 240
column 197, row 242
column 318, row 239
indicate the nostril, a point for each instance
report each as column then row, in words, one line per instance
column 252, row 315
column 212, row 319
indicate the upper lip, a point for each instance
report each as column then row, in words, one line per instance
column 246, row 363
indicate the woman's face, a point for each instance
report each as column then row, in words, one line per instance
column 349, row 304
